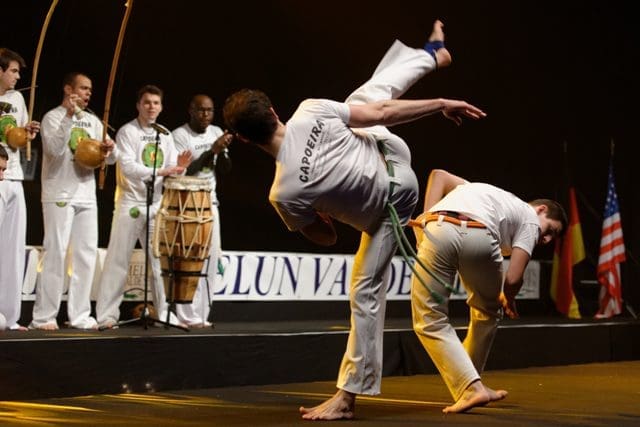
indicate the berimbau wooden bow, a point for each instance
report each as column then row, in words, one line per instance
column 34, row 75
column 112, row 76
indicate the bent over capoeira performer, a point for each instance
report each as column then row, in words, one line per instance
column 330, row 164
column 467, row 228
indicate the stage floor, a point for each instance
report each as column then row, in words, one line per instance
column 68, row 363
column 295, row 326
column 598, row 394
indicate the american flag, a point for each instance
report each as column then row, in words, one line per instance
column 612, row 253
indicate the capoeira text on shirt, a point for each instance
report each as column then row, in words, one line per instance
column 312, row 140
column 82, row 124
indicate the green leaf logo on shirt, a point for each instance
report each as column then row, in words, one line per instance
column 76, row 135
column 6, row 121
column 149, row 155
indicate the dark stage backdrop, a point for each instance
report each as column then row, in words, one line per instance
column 545, row 72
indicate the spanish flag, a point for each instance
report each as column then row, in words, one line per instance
column 569, row 251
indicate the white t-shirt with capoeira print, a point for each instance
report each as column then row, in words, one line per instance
column 63, row 180
column 136, row 154
column 325, row 166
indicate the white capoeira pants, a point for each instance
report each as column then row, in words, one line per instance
column 125, row 232
column 13, row 230
column 361, row 368
column 197, row 312
column 73, row 228
column 475, row 254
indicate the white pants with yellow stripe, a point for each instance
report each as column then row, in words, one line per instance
column 475, row 254
column 361, row 367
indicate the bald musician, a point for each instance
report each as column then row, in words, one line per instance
column 207, row 144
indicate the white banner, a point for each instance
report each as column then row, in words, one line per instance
column 254, row 276
column 274, row 276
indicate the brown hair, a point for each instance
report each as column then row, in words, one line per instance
column 3, row 153
column 554, row 211
column 7, row 55
column 69, row 79
column 248, row 113
column 152, row 89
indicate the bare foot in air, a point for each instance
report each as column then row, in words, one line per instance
column 443, row 57
column 340, row 407
column 475, row 395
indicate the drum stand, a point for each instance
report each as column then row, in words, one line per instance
column 172, row 275
column 144, row 315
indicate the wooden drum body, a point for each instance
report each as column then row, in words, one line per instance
column 182, row 235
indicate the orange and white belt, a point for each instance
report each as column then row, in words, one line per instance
column 447, row 216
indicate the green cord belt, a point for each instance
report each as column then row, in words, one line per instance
column 406, row 249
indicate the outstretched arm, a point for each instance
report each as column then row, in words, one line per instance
column 396, row 111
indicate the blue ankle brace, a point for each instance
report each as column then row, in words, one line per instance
column 433, row 46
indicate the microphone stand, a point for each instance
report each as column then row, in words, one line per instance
column 144, row 315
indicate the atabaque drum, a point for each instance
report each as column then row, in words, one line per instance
column 182, row 235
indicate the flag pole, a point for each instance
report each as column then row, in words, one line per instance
column 612, row 148
column 569, row 251
column 612, row 251
column 626, row 303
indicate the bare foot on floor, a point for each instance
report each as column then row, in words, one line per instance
column 443, row 57
column 199, row 325
column 475, row 395
column 46, row 327
column 340, row 407
column 107, row 325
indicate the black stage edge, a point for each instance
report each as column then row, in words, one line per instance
column 246, row 349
